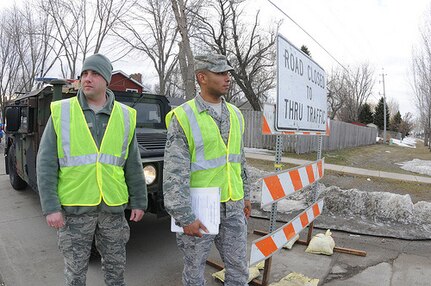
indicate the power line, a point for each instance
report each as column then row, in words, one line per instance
column 299, row 26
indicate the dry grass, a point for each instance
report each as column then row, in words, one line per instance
column 378, row 157
column 375, row 157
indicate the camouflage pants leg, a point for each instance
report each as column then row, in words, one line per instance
column 231, row 243
column 195, row 253
column 74, row 241
column 112, row 235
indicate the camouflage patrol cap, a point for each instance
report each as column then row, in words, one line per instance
column 212, row 62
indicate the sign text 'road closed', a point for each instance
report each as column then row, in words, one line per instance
column 301, row 90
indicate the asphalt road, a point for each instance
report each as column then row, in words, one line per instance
column 29, row 253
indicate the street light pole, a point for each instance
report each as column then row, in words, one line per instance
column 384, row 108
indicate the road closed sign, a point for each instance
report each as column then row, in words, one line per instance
column 301, row 90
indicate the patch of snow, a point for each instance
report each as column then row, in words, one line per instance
column 379, row 207
column 286, row 205
column 417, row 166
column 377, row 213
column 406, row 142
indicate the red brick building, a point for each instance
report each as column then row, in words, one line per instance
column 123, row 82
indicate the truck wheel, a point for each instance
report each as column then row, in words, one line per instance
column 15, row 180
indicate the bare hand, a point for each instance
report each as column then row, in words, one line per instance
column 194, row 229
column 136, row 215
column 247, row 208
column 55, row 220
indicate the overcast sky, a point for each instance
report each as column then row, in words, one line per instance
column 381, row 32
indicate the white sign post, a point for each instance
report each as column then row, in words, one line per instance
column 301, row 90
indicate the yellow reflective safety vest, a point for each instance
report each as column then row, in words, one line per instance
column 213, row 163
column 87, row 174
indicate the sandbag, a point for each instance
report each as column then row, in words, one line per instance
column 253, row 273
column 289, row 245
column 321, row 244
column 296, row 279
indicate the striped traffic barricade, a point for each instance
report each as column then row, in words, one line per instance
column 278, row 186
column 270, row 244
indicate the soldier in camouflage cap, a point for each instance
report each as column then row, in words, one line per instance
column 208, row 154
column 212, row 62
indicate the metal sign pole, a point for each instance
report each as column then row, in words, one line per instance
column 273, row 215
column 314, row 190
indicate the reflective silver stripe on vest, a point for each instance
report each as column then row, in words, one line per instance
column 235, row 158
column 126, row 117
column 208, row 164
column 197, row 135
column 201, row 163
column 71, row 161
column 65, row 127
column 214, row 163
column 238, row 113
column 112, row 160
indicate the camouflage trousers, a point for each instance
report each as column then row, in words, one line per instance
column 111, row 233
column 231, row 242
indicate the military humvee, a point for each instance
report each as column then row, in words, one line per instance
column 26, row 116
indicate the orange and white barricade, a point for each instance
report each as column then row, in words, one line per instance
column 270, row 244
column 278, row 186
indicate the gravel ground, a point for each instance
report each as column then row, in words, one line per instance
column 417, row 191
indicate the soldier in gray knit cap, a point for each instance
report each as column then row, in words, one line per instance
column 204, row 148
column 85, row 185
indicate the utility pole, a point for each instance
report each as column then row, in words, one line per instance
column 384, row 107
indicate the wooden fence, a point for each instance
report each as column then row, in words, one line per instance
column 343, row 135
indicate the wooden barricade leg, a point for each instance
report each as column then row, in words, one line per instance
column 265, row 276
column 310, row 232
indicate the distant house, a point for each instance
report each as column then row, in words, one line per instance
column 358, row 123
column 122, row 82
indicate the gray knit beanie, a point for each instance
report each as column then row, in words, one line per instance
column 99, row 63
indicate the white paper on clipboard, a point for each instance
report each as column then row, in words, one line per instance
column 206, row 207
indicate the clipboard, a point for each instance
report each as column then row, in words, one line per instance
column 206, row 207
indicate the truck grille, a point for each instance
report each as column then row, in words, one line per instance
column 152, row 141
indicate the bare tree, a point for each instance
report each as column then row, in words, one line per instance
column 392, row 105
column 406, row 125
column 422, row 88
column 34, row 44
column 152, row 29
column 25, row 49
column 250, row 50
column 359, row 86
column 82, row 27
column 421, row 70
column 337, row 94
column 185, row 55
column 8, row 62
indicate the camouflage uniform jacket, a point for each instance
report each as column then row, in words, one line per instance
column 48, row 166
column 176, row 173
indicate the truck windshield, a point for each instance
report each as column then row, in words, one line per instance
column 147, row 112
